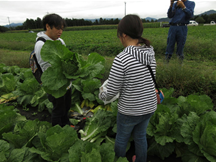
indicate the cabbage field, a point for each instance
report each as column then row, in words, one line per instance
column 183, row 128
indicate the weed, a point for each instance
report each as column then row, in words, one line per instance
column 34, row 113
column 25, row 108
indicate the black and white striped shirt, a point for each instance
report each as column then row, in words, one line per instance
column 131, row 78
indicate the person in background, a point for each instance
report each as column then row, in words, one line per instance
column 131, row 78
column 53, row 25
column 180, row 13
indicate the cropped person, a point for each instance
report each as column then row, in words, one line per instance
column 131, row 78
column 53, row 26
column 180, row 13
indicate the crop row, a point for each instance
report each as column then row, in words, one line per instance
column 200, row 41
column 184, row 126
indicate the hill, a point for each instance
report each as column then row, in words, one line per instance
column 150, row 18
column 147, row 18
column 208, row 12
column 14, row 25
column 163, row 20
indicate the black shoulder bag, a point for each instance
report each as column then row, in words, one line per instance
column 159, row 93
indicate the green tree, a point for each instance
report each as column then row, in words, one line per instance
column 96, row 22
column 29, row 24
column 205, row 17
column 38, row 23
column 3, row 29
column 19, row 28
column 212, row 17
column 116, row 21
column 200, row 20
column 101, row 21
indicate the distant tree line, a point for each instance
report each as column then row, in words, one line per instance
column 204, row 18
column 36, row 24
column 3, row 29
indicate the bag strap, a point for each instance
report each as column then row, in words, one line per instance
column 150, row 69
column 35, row 58
column 42, row 39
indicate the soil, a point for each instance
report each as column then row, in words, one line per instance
column 31, row 113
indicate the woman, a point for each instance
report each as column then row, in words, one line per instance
column 131, row 78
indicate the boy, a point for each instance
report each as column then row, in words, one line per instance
column 53, row 25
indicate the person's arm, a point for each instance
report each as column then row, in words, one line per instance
column 38, row 47
column 115, row 81
column 188, row 8
column 170, row 12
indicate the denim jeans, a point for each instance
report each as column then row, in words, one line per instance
column 136, row 126
column 176, row 34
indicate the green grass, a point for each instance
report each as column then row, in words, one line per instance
column 197, row 75
column 200, row 44
column 14, row 58
column 192, row 77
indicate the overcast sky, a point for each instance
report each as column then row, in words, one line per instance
column 18, row 11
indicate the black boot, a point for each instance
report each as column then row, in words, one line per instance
column 181, row 58
column 167, row 58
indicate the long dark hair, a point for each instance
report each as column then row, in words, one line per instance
column 131, row 25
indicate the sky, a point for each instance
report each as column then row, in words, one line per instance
column 18, row 11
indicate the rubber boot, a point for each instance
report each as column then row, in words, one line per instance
column 181, row 58
column 167, row 58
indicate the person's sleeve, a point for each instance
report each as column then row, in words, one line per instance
column 170, row 12
column 38, row 47
column 189, row 10
column 115, row 81
column 62, row 41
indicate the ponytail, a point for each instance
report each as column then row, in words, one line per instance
column 144, row 41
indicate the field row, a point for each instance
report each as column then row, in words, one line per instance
column 200, row 41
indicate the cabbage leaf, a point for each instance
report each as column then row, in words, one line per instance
column 204, row 135
column 67, row 66
column 97, row 125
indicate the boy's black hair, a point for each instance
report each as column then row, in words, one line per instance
column 54, row 20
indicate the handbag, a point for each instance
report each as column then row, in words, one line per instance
column 159, row 93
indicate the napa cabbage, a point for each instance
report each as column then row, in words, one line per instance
column 67, row 66
column 204, row 135
column 98, row 125
column 187, row 122
column 54, row 144
column 30, row 92
column 8, row 118
column 7, row 83
column 25, row 131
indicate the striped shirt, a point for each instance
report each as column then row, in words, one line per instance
column 131, row 78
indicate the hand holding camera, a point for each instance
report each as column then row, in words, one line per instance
column 171, row 3
column 180, row 4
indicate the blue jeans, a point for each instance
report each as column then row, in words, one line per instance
column 136, row 126
column 177, row 34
